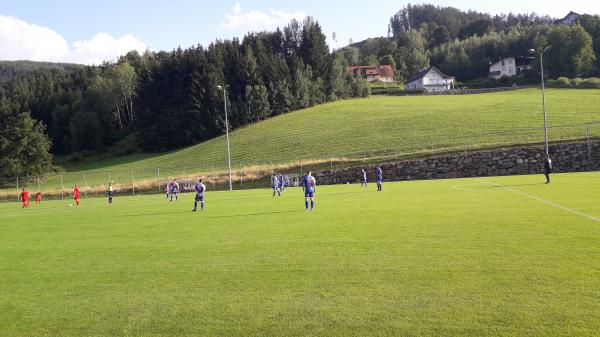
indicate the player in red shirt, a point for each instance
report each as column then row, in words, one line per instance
column 76, row 194
column 25, row 198
column 38, row 198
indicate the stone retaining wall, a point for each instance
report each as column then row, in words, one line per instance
column 572, row 157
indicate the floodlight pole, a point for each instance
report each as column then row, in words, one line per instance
column 224, row 89
column 541, row 51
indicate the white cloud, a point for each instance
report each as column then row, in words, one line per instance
column 20, row 40
column 257, row 20
column 103, row 47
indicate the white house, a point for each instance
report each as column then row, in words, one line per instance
column 430, row 79
column 507, row 67
column 510, row 66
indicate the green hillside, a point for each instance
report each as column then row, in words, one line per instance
column 347, row 128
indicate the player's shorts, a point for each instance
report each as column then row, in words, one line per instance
column 309, row 193
column 199, row 197
column 76, row 198
column 110, row 193
column 275, row 187
column 379, row 179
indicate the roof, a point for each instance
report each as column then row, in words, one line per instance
column 570, row 13
column 424, row 72
column 500, row 60
column 383, row 70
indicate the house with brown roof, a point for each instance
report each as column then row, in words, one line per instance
column 383, row 73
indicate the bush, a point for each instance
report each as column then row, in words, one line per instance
column 577, row 83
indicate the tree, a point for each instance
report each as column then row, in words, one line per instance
column 371, row 60
column 313, row 47
column 388, row 60
column 411, row 55
column 125, row 79
column 477, row 28
column 591, row 24
column 351, row 56
column 571, row 53
column 24, row 146
column 441, row 35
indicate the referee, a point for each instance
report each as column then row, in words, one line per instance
column 548, row 169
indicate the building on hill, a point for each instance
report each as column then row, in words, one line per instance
column 430, row 79
column 383, row 73
column 510, row 66
column 570, row 19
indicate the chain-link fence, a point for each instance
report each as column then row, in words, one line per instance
column 252, row 175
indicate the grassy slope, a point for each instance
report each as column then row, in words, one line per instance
column 484, row 261
column 410, row 123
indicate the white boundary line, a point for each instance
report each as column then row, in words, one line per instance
column 549, row 203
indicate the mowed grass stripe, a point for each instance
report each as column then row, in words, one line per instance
column 420, row 258
column 409, row 123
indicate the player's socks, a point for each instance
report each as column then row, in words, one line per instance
column 312, row 204
column 202, row 205
column 306, row 204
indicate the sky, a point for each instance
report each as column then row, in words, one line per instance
column 90, row 32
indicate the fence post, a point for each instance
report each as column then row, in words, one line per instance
column 241, row 175
column 62, row 188
column 589, row 146
column 158, row 178
column 84, row 185
column 213, row 179
column 364, row 157
column 132, row 183
column 39, row 186
column 396, row 153
column 301, row 166
column 18, row 194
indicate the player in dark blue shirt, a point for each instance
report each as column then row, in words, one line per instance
column 200, row 188
column 309, row 185
column 281, row 183
column 379, row 179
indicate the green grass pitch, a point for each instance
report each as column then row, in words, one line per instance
column 504, row 256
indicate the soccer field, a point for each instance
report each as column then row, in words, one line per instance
column 502, row 256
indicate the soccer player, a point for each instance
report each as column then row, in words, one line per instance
column 548, row 169
column 363, row 178
column 167, row 188
column 76, row 195
column 38, row 198
column 200, row 188
column 309, row 185
column 379, row 174
column 174, row 189
column 275, row 185
column 110, row 192
column 25, row 198
column 281, row 183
